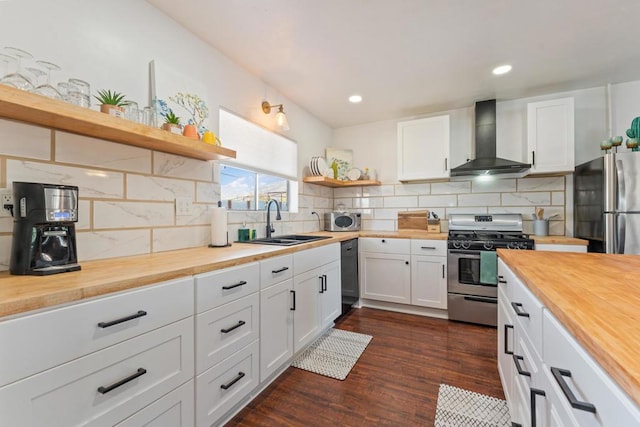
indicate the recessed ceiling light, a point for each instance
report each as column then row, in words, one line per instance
column 354, row 99
column 503, row 69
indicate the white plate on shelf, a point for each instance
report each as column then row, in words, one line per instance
column 328, row 172
column 312, row 166
column 354, row 174
column 321, row 166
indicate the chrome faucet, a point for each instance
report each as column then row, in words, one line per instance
column 270, row 228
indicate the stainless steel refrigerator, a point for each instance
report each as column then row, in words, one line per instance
column 607, row 203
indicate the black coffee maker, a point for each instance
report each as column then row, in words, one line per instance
column 44, row 234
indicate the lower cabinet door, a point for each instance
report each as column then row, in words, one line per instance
column 222, row 387
column 176, row 409
column 506, row 347
column 306, row 317
column 331, row 297
column 105, row 387
column 276, row 327
column 385, row 277
column 428, row 281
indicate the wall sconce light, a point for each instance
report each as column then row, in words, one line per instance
column 281, row 118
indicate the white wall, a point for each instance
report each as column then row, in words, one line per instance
column 625, row 106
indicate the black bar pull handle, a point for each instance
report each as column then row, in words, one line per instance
column 107, row 389
column 446, row 167
column 233, row 381
column 236, row 326
column 516, row 360
column 443, row 271
column 430, row 248
column 325, row 282
column 535, row 392
column 294, row 301
column 140, row 313
column 321, row 284
column 280, row 270
column 514, row 424
column 533, row 158
column 240, row 283
column 506, row 339
column 501, row 279
column 558, row 374
column 516, row 307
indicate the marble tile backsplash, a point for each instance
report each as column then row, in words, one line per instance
column 127, row 194
column 380, row 205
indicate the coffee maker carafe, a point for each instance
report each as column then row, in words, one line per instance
column 44, row 235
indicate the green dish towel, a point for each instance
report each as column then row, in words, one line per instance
column 489, row 267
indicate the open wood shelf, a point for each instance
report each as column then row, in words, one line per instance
column 39, row 110
column 335, row 183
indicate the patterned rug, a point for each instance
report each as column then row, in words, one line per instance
column 459, row 407
column 333, row 354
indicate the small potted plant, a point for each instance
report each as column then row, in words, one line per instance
column 172, row 123
column 111, row 103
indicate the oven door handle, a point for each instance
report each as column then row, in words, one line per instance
column 464, row 252
column 481, row 299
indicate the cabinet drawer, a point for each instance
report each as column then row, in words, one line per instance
column 506, row 279
column 73, row 331
column 104, row 387
column 384, row 245
column 311, row 258
column 429, row 247
column 275, row 270
column 226, row 329
column 222, row 387
column 223, row 286
column 527, row 313
column 176, row 409
column 588, row 382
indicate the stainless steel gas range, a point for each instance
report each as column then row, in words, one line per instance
column 472, row 242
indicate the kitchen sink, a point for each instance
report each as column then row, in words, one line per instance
column 287, row 240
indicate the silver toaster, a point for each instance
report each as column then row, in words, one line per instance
column 342, row 221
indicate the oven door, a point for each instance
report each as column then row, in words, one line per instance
column 463, row 274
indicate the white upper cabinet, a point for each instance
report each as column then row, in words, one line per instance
column 423, row 149
column 550, row 136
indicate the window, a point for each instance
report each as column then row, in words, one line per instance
column 247, row 190
column 265, row 167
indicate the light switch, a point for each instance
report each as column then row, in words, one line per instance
column 184, row 206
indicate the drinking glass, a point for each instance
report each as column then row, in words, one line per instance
column 131, row 111
column 5, row 60
column 46, row 89
column 149, row 117
column 18, row 78
column 79, row 93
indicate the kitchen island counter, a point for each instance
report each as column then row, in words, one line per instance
column 597, row 299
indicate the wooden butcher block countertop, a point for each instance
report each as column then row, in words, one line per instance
column 597, row 298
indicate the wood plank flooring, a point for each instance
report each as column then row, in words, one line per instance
column 394, row 383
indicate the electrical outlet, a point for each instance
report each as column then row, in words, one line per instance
column 184, row 206
column 6, row 198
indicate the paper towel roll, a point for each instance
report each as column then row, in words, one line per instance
column 218, row 226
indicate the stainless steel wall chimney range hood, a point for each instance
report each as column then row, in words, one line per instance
column 486, row 163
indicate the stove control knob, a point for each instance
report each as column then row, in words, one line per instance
column 523, row 245
column 465, row 244
column 488, row 245
column 456, row 244
column 512, row 245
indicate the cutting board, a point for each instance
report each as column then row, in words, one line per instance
column 416, row 220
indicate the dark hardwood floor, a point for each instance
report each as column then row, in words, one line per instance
column 394, row 383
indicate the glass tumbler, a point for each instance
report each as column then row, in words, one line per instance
column 149, row 117
column 131, row 111
column 79, row 93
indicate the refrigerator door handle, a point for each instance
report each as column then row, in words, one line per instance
column 621, row 231
column 622, row 199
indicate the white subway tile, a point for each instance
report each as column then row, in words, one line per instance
column 541, row 198
column 493, row 186
column 322, row 203
column 201, row 216
column 208, row 192
column 167, row 239
column 86, row 151
column 6, row 225
column 21, row 140
column 401, row 202
column 347, row 192
column 132, row 214
column 317, row 190
column 154, row 188
column 376, row 191
column 84, row 215
column 165, row 164
column 466, row 210
column 5, row 252
column 366, row 213
column 378, row 225
column 551, row 210
column 525, row 211
column 305, row 201
column 556, row 228
column 239, row 217
column 554, row 183
column 91, row 182
column 348, row 203
column 485, row 199
column 368, row 202
column 112, row 243
column 387, row 213
column 412, row 189
column 438, row 201
column 452, row 187
column 557, row 198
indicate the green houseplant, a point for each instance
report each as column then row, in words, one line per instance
column 111, row 103
column 172, row 123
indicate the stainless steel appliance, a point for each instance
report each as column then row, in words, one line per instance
column 44, row 236
column 342, row 221
column 349, row 274
column 607, row 203
column 469, row 299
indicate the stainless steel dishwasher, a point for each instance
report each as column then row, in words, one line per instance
column 349, row 271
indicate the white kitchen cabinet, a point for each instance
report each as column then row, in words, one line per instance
column 428, row 281
column 175, row 409
column 306, row 314
column 104, row 387
column 331, row 296
column 550, row 136
column 423, row 148
column 276, row 327
column 385, row 277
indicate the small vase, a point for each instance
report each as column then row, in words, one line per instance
column 112, row 110
column 190, row 131
column 173, row 128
